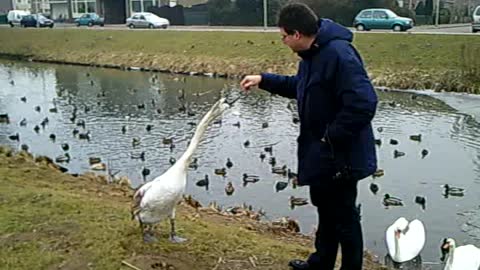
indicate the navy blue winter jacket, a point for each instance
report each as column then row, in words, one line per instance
column 336, row 102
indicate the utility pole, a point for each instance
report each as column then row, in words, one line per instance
column 265, row 21
column 437, row 12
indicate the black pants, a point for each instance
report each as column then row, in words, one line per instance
column 338, row 223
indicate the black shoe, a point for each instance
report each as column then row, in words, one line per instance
column 298, row 265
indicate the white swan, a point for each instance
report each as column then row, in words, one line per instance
column 156, row 200
column 405, row 240
column 460, row 258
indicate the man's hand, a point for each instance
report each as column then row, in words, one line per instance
column 249, row 81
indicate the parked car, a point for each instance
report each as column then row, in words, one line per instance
column 15, row 16
column 31, row 21
column 147, row 20
column 90, row 19
column 476, row 20
column 379, row 18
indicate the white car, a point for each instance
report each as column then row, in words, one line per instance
column 15, row 16
column 476, row 20
column 147, row 20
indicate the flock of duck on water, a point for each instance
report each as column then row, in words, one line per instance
column 156, row 200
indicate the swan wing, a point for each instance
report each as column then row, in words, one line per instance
column 466, row 258
column 413, row 241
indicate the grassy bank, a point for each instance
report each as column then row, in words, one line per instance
column 51, row 220
column 441, row 62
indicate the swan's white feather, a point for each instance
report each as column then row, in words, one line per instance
column 410, row 244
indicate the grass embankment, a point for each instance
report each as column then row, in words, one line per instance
column 51, row 220
column 440, row 62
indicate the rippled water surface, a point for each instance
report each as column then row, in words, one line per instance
column 109, row 99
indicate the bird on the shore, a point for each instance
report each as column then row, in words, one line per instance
column 459, row 258
column 405, row 240
column 157, row 199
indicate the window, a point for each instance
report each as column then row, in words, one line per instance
column 478, row 11
column 91, row 7
column 379, row 14
column 366, row 14
column 136, row 6
column 81, row 7
column 142, row 17
column 147, row 4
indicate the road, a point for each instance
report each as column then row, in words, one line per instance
column 455, row 29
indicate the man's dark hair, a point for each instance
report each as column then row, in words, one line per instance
column 298, row 17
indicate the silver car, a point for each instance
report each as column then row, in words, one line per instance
column 147, row 20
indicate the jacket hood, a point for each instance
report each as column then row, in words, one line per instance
column 328, row 30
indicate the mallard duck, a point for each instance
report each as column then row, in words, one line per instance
column 149, row 127
column 36, row 128
column 81, row 123
column 52, row 137
column 291, row 175
column 203, row 182
column 15, row 137
column 221, row 171
column 84, row 136
column 247, row 177
column 229, row 189
column 75, row 132
column 393, row 142
column 135, row 141
column 424, row 153
column 296, row 201
column 378, row 173
column 65, row 146
column 172, row 160
column 38, row 108
column 281, row 185
column 145, row 173
column 421, row 201
column 378, row 142
column 459, row 258
column 264, row 125
column 246, row 143
column 417, row 138
column 262, row 156
column 374, row 188
column 93, row 160
column 237, row 124
column 157, row 200
column 229, row 163
column 405, row 240
column 397, row 154
column 24, row 147
column 272, row 161
column 280, row 170
column 23, row 123
column 453, row 191
column 268, row 149
column 380, row 129
column 98, row 166
column 194, row 164
column 23, row 99
column 167, row 140
column 141, row 106
column 63, row 158
column 140, row 156
column 391, row 201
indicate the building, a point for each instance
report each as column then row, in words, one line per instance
column 5, row 6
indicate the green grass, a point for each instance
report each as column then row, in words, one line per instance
column 441, row 62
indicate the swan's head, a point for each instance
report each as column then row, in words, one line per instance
column 220, row 106
column 448, row 243
column 401, row 226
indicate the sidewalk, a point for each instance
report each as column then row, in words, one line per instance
column 453, row 25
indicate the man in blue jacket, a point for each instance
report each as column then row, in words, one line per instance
column 336, row 104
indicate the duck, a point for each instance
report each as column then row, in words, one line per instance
column 167, row 140
column 135, row 141
column 140, row 156
column 378, row 173
column 44, row 122
column 378, row 142
column 229, row 163
column 417, row 138
column 203, row 182
column 393, row 142
column 52, row 137
column 397, row 154
column 38, row 108
column 272, row 161
column 295, row 120
column 23, row 99
column 421, row 201
column 459, row 258
column 453, row 191
column 297, row 201
column 98, row 166
column 84, row 136
column 172, row 160
column 264, row 125
column 75, row 132
column 424, row 153
column 145, row 173
column 156, row 200
column 280, row 170
column 124, row 129
column 15, row 137
column 171, row 147
column 246, row 143
column 81, row 123
column 94, row 160
column 229, row 189
column 280, row 185
column 149, row 127
column 247, row 177
column 63, row 158
column 380, row 129
column 24, row 147
column 262, row 156
column 65, row 146
column 193, row 164
column 374, row 188
column 291, row 175
column 392, row 201
column 405, row 240
column 23, row 123
column 237, row 124
column 36, row 128
column 268, row 149
column 221, row 171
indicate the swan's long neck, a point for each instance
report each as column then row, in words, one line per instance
column 186, row 158
column 451, row 252
column 397, row 247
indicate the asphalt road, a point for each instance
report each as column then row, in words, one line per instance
column 454, row 29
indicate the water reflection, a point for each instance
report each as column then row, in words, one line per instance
column 129, row 114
